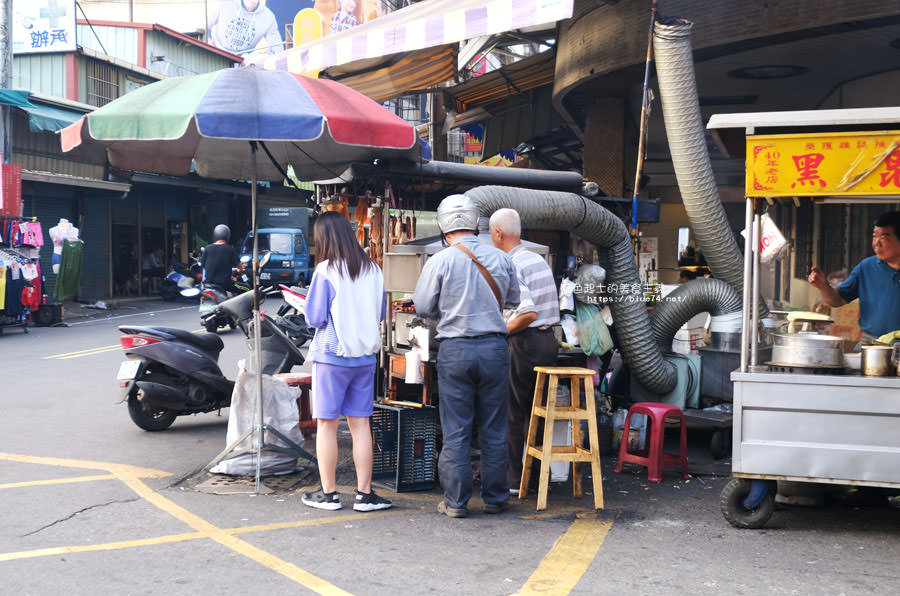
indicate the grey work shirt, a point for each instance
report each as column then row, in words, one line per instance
column 452, row 290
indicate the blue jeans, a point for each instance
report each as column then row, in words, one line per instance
column 473, row 384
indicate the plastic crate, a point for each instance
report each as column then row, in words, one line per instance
column 403, row 451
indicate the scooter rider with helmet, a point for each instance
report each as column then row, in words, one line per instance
column 219, row 258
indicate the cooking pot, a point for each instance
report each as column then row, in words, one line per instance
column 810, row 350
column 876, row 360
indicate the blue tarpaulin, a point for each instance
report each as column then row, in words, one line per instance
column 40, row 117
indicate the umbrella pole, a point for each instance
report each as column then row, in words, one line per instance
column 257, row 332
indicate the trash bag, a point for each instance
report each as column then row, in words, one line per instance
column 593, row 334
column 279, row 411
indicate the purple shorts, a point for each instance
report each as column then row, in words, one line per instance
column 347, row 390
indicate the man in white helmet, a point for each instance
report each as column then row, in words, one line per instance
column 466, row 286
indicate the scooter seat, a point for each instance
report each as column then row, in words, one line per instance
column 208, row 342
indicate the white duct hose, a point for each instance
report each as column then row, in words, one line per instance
column 687, row 145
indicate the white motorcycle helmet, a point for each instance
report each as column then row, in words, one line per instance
column 457, row 212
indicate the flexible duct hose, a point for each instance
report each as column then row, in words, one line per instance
column 548, row 210
column 700, row 295
column 687, row 145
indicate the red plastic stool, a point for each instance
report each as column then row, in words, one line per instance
column 654, row 457
column 308, row 424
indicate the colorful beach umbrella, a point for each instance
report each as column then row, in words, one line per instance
column 245, row 124
column 317, row 126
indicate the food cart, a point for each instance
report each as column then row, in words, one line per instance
column 808, row 420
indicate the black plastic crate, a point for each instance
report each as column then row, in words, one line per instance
column 403, row 453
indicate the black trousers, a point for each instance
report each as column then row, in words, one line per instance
column 527, row 349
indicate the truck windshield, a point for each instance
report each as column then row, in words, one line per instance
column 277, row 242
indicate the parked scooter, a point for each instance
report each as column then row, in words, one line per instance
column 180, row 278
column 171, row 372
column 292, row 314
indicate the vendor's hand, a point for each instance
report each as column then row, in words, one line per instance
column 817, row 278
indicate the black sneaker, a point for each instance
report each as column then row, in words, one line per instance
column 370, row 502
column 322, row 500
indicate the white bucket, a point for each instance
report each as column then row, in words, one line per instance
column 730, row 323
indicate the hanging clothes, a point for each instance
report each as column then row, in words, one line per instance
column 69, row 270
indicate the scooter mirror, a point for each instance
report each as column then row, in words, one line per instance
column 264, row 259
column 190, row 292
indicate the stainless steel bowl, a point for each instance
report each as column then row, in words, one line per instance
column 811, row 350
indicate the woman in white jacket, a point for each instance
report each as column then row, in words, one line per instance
column 345, row 304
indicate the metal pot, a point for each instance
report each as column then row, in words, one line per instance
column 811, row 350
column 876, row 360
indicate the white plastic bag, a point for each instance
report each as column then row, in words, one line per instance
column 771, row 241
column 279, row 405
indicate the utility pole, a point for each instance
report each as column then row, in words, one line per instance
column 6, row 76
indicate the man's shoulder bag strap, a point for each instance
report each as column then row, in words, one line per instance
column 484, row 272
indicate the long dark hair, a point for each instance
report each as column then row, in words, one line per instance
column 336, row 243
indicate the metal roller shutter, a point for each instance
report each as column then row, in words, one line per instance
column 95, row 265
column 49, row 210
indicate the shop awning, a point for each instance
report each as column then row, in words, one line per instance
column 524, row 75
column 48, row 178
column 405, row 74
column 40, row 117
column 405, row 32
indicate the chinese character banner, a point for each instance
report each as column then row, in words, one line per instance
column 826, row 164
column 43, row 26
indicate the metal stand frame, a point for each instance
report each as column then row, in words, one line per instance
column 261, row 427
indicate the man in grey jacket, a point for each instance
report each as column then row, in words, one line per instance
column 473, row 359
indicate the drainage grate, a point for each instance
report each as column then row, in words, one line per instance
column 223, row 484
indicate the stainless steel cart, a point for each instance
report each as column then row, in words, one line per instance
column 791, row 424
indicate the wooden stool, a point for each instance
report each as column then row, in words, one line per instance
column 546, row 451
column 308, row 424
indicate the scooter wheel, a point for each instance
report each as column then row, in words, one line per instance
column 151, row 418
column 210, row 325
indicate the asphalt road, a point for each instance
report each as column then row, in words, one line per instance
column 93, row 505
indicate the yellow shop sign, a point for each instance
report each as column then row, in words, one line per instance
column 826, row 164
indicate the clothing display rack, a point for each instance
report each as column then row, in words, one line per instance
column 20, row 271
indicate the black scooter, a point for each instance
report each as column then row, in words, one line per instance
column 171, row 372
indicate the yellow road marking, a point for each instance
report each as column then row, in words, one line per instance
column 59, row 481
column 92, row 351
column 112, row 468
column 97, row 351
column 86, row 352
column 140, row 542
column 558, row 573
column 130, row 475
column 64, row 550
column 570, row 557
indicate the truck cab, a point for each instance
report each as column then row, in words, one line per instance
column 289, row 255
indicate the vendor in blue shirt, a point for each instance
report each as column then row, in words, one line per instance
column 875, row 281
